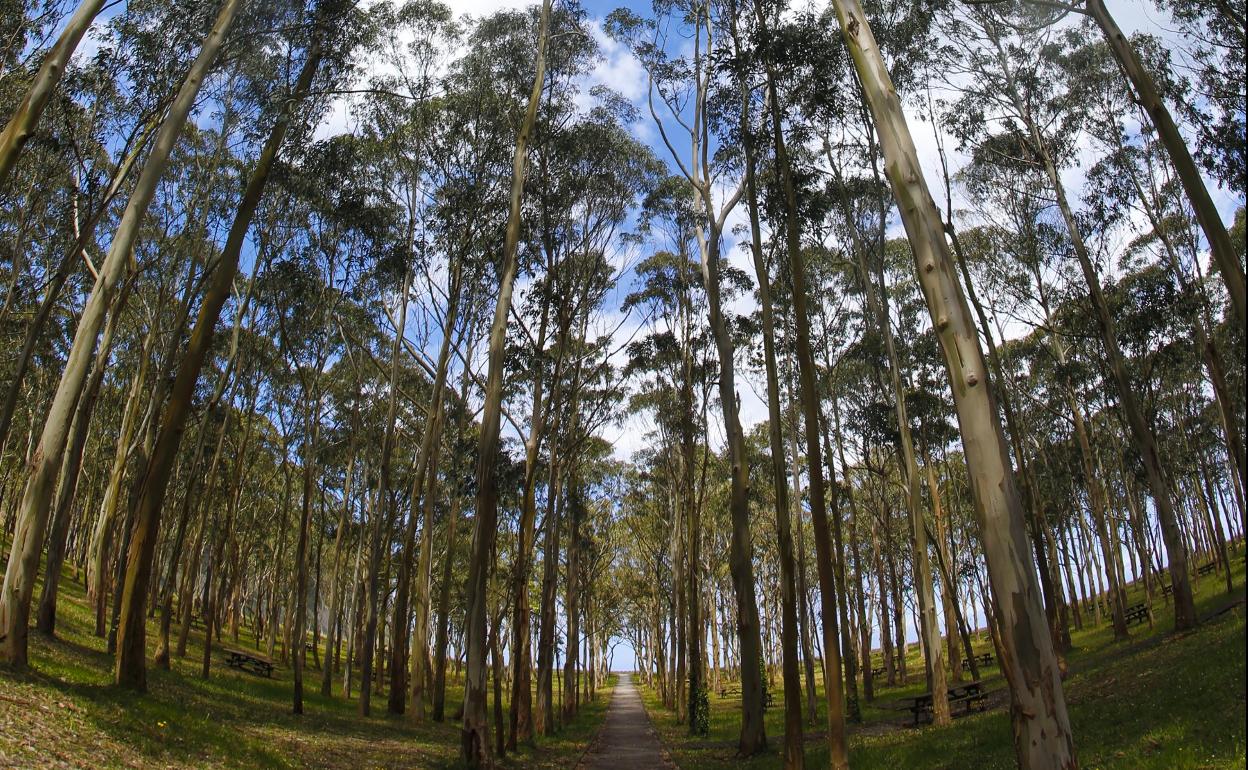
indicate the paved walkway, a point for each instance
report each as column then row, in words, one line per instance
column 627, row 740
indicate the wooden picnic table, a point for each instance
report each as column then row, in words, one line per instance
column 1137, row 613
column 984, row 659
column 970, row 693
column 878, row 671
column 247, row 661
column 1207, row 569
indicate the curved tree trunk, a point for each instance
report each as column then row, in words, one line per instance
column 21, row 126
column 67, row 484
column 28, row 538
column 130, row 668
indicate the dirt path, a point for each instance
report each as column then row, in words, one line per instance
column 626, row 741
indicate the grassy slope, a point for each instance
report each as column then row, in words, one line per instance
column 65, row 712
column 1159, row 700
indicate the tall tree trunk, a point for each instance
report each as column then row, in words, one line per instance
column 572, row 604
column 545, row 712
column 794, row 750
column 19, row 579
column 338, row 594
column 419, row 651
column 520, row 712
column 819, row 492
column 383, row 514
column 444, row 590
column 312, row 432
column 1143, row 439
column 21, row 126
column 52, row 291
column 422, row 482
column 71, row 465
column 1146, row 93
column 1042, row 732
column 474, row 739
column 130, row 669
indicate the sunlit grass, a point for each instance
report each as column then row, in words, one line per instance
column 65, row 711
column 1158, row 700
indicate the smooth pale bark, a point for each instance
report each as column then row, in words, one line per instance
column 1042, row 732
column 21, row 126
column 1207, row 216
column 794, row 750
column 474, row 737
column 130, row 668
column 52, row 291
column 19, row 579
column 67, row 485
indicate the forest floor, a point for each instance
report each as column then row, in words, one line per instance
column 1158, row 700
column 65, row 712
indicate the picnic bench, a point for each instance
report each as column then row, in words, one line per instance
column 246, row 661
column 1207, row 569
column 984, row 659
column 878, row 671
column 970, row 693
column 1137, row 613
column 1167, row 589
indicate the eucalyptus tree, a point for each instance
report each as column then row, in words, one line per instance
column 399, row 118
column 466, row 220
column 1215, row 40
column 130, row 662
column 112, row 110
column 675, row 356
column 475, row 746
column 1152, row 98
column 21, row 125
column 686, row 87
column 34, row 508
column 1134, row 176
column 586, row 173
column 856, row 191
column 1043, row 116
column 1042, row 729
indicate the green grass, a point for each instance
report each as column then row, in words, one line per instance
column 1158, row 700
column 65, row 712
